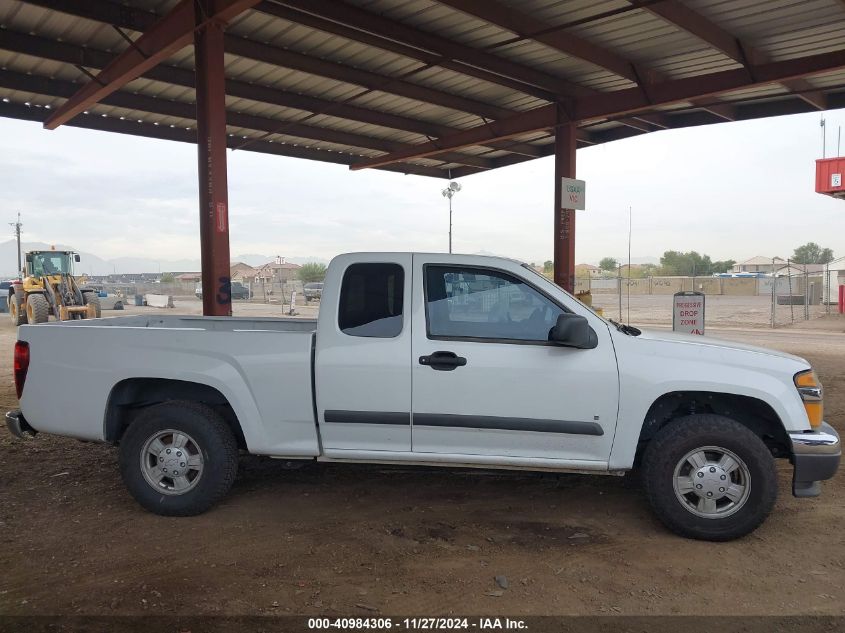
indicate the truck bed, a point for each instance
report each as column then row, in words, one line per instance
column 262, row 366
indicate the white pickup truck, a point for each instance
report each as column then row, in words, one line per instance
column 439, row 360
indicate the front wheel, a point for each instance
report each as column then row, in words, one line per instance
column 37, row 309
column 91, row 298
column 709, row 477
column 178, row 458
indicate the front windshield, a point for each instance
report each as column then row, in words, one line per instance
column 51, row 263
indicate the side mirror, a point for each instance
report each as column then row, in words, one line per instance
column 573, row 330
column 76, row 258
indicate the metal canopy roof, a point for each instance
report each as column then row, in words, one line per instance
column 443, row 88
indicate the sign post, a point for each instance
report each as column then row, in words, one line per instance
column 688, row 312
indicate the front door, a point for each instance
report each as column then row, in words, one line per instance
column 486, row 379
column 363, row 358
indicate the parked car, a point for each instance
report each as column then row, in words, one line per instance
column 4, row 288
column 239, row 291
column 313, row 290
column 439, row 360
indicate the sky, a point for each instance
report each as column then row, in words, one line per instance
column 732, row 191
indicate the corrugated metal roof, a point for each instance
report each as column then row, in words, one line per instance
column 341, row 80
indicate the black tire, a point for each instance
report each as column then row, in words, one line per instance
column 213, row 439
column 118, row 306
column 684, row 435
column 16, row 310
column 91, row 298
column 37, row 309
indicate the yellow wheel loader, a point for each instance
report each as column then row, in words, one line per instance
column 49, row 287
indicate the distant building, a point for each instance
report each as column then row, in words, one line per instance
column 278, row 271
column 799, row 269
column 759, row 264
column 189, row 277
column 587, row 270
column 243, row 273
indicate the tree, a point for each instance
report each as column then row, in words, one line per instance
column 812, row 253
column 608, row 263
column 723, row 266
column 312, row 271
column 167, row 278
column 685, row 264
column 548, row 266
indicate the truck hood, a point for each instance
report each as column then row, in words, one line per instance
column 716, row 345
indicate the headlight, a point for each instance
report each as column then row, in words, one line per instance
column 810, row 388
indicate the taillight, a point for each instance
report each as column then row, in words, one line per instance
column 21, row 364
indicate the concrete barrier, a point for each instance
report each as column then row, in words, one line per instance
column 666, row 285
column 604, row 286
column 740, row 286
column 636, row 286
column 158, row 301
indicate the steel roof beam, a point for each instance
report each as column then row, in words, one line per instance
column 374, row 24
column 537, row 119
column 182, row 110
column 298, row 16
column 93, row 58
column 530, row 28
column 110, row 13
column 168, row 35
column 625, row 102
column 688, row 20
column 725, row 111
column 371, row 81
column 163, row 132
column 741, row 52
column 806, row 92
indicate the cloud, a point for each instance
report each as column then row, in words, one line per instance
column 732, row 190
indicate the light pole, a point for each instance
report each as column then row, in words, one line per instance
column 449, row 192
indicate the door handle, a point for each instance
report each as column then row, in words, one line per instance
column 443, row 361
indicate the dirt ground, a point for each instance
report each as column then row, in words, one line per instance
column 362, row 541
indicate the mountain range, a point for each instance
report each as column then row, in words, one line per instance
column 93, row 265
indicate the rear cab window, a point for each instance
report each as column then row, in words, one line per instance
column 372, row 300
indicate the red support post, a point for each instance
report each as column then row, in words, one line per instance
column 564, row 247
column 211, row 151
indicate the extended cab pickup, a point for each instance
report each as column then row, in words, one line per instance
column 445, row 360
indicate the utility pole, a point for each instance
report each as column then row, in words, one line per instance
column 18, row 226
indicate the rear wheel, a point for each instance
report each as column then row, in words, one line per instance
column 37, row 308
column 16, row 311
column 709, row 477
column 178, row 458
column 91, row 298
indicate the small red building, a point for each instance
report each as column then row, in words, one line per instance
column 829, row 172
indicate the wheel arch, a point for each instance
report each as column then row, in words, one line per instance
column 753, row 413
column 131, row 395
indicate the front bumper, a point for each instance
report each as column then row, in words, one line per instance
column 815, row 457
column 17, row 424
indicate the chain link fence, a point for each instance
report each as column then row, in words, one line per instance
column 793, row 294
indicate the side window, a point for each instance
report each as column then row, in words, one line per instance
column 485, row 304
column 371, row 300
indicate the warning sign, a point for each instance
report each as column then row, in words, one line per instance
column 688, row 312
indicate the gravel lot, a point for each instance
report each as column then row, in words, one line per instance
column 361, row 540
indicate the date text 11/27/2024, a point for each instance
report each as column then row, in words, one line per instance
column 417, row 624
